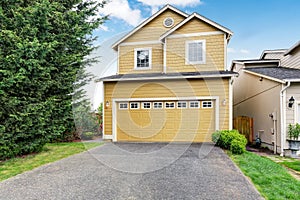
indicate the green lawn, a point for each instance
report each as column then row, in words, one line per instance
column 50, row 153
column 294, row 164
column 271, row 179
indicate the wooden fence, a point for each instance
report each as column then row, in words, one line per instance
column 245, row 126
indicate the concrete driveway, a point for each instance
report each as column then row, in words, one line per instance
column 135, row 171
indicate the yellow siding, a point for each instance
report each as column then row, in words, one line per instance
column 176, row 61
column 167, row 124
column 154, row 29
column 195, row 26
column 126, row 59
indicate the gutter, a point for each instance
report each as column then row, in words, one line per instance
column 283, row 116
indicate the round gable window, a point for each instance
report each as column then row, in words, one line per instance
column 168, row 22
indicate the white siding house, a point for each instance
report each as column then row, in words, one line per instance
column 263, row 90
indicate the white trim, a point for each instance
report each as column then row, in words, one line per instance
column 103, row 111
column 230, row 104
column 225, row 52
column 225, row 30
column 187, row 61
column 138, row 105
column 107, row 137
column 114, row 114
column 119, row 103
column 147, row 21
column 150, row 58
column 114, row 121
column 170, row 78
column 296, row 112
column 196, row 34
column 165, row 56
column 173, row 103
column 272, row 52
column 162, row 105
column 211, row 102
column 118, row 63
column 140, row 43
column 264, row 76
column 198, row 103
column 164, row 22
column 143, row 107
column 186, row 104
column 283, row 116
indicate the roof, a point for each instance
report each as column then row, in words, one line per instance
column 274, row 51
column 254, row 61
column 280, row 73
column 290, row 50
column 188, row 18
column 196, row 15
column 168, row 76
column 114, row 46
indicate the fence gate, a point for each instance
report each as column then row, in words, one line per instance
column 245, row 126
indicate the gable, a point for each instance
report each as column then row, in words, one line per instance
column 155, row 28
column 195, row 26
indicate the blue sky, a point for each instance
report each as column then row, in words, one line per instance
column 257, row 24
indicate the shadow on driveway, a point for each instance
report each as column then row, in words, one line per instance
column 135, row 171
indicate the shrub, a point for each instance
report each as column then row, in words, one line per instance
column 230, row 139
column 238, row 146
column 294, row 131
column 87, row 135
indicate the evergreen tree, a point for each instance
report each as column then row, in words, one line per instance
column 43, row 46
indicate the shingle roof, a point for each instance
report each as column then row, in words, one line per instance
column 281, row 73
column 161, row 76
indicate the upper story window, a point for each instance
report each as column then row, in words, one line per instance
column 195, row 52
column 142, row 58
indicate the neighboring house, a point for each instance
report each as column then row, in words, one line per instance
column 172, row 83
column 263, row 90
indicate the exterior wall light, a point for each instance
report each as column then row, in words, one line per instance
column 291, row 101
column 107, row 103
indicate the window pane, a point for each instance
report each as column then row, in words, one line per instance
column 170, row 105
column 195, row 51
column 146, row 105
column 157, row 105
column 182, row 104
column 142, row 58
column 207, row 104
column 123, row 105
column 194, row 104
column 134, row 105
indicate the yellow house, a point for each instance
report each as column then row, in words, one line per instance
column 172, row 83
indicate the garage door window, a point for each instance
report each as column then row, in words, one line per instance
column 170, row 105
column 207, row 104
column 123, row 106
column 194, row 104
column 182, row 104
column 157, row 105
column 134, row 105
column 146, row 105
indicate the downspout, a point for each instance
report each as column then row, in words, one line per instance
column 282, row 117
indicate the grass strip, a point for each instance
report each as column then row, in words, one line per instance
column 271, row 179
column 50, row 153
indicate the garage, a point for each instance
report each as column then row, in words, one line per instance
column 165, row 119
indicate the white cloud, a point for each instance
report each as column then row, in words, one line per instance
column 173, row 2
column 121, row 10
column 245, row 51
column 156, row 3
column 231, row 50
column 104, row 28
